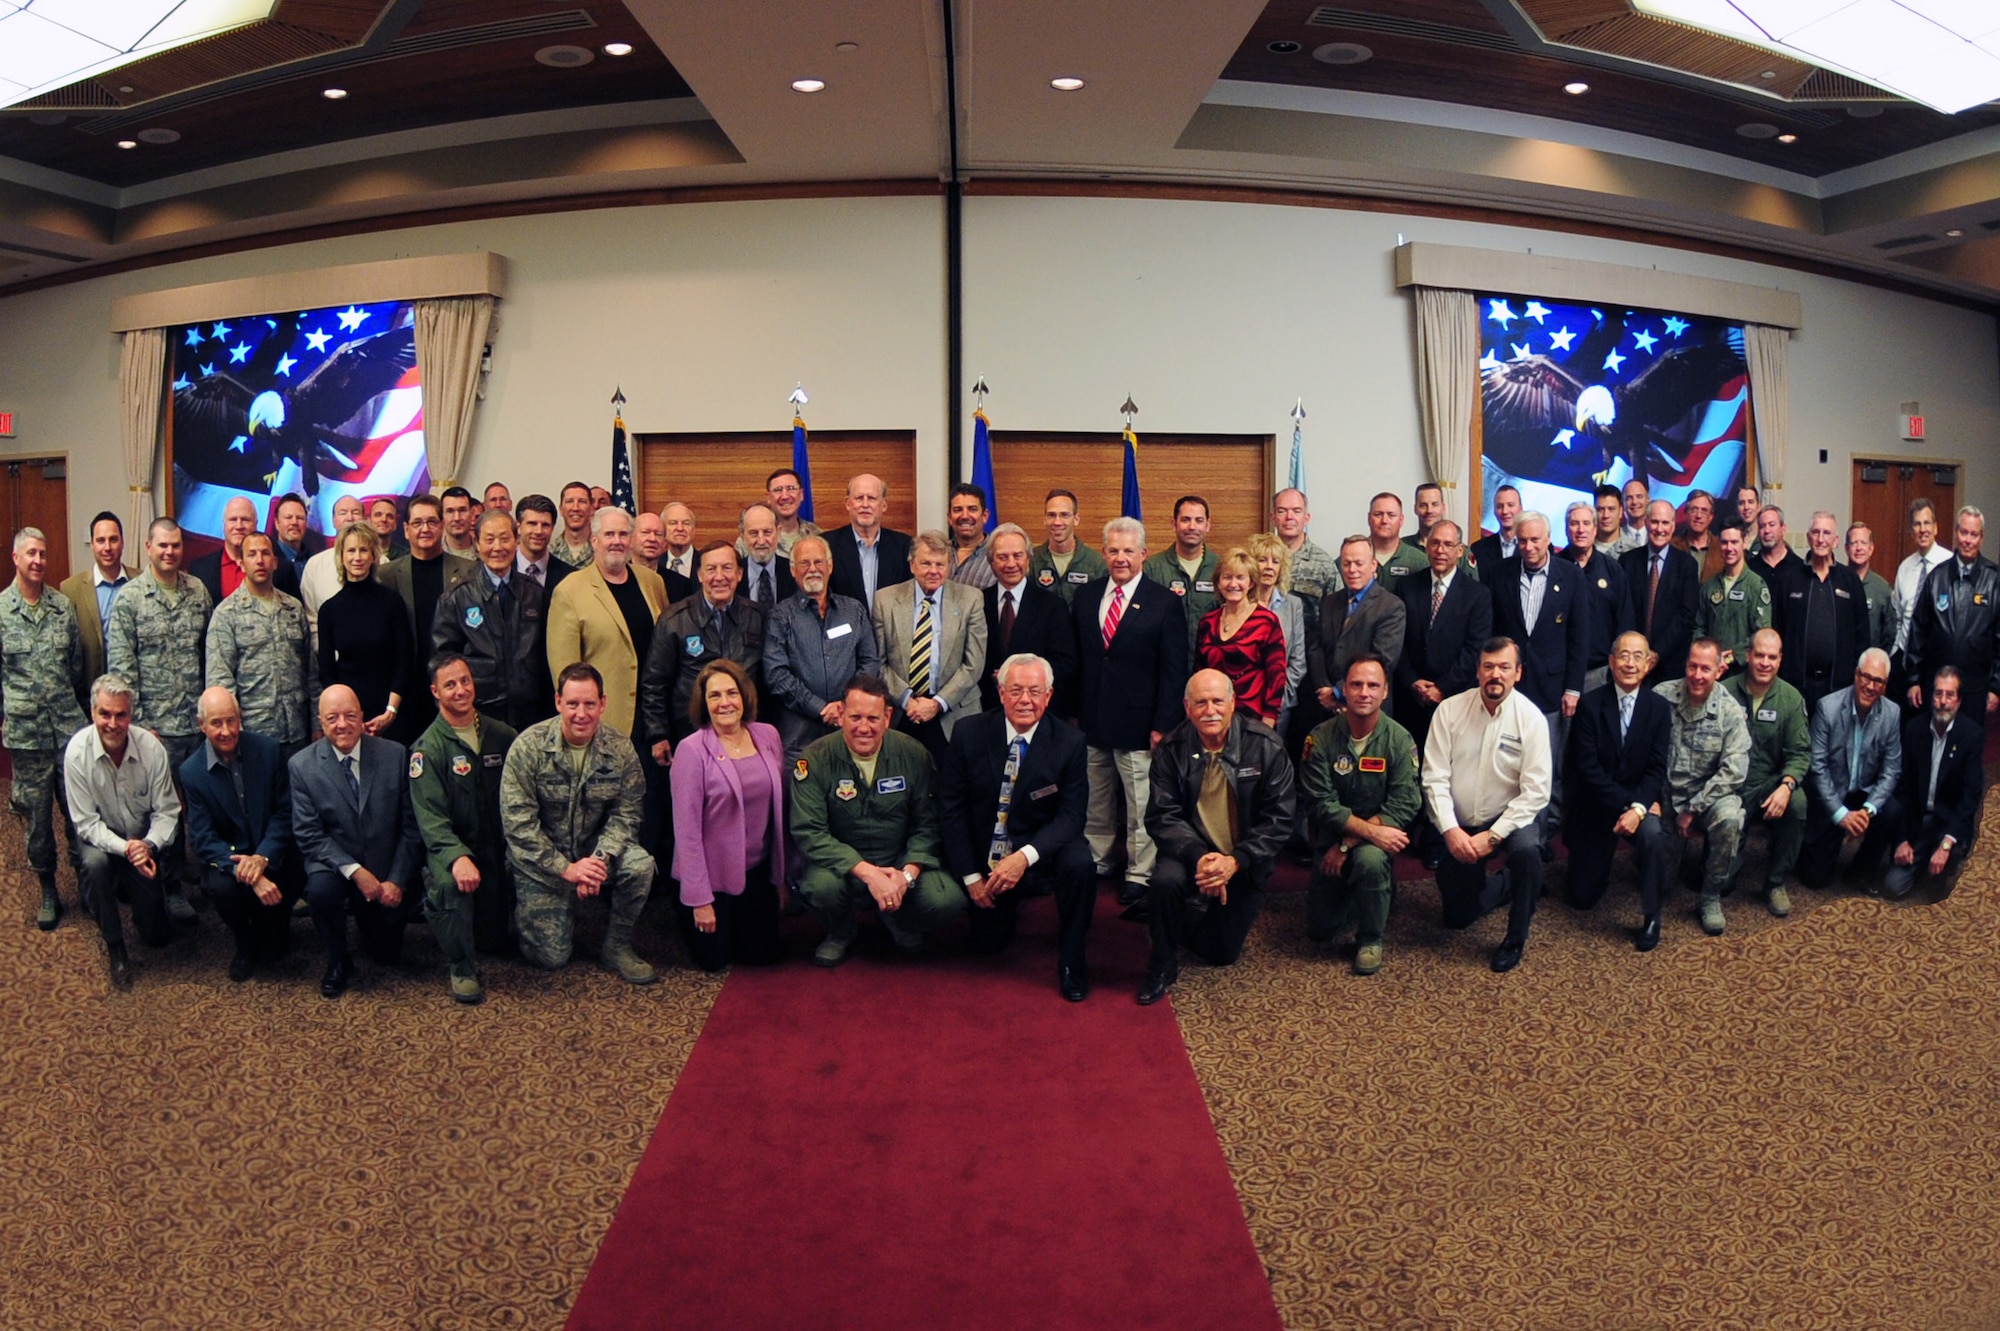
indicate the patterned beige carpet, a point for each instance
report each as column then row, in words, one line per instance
column 1796, row 1125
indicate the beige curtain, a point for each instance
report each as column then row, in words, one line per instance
column 142, row 385
column 1447, row 365
column 1767, row 352
column 451, row 339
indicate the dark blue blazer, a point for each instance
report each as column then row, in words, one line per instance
column 1673, row 608
column 1553, row 656
column 378, row 830
column 1961, row 784
column 1605, row 774
column 892, row 562
column 1051, row 795
column 217, row 826
column 1135, row 687
column 1445, row 652
column 1605, row 581
column 1042, row 626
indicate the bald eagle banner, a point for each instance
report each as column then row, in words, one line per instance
column 318, row 403
column 1574, row 396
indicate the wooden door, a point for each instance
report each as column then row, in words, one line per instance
column 34, row 492
column 1231, row 471
column 1884, row 489
column 716, row 475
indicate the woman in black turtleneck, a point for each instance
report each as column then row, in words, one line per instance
column 364, row 633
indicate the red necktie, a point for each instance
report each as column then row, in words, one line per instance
column 1111, row 614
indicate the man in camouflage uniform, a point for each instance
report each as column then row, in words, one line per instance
column 41, row 687
column 158, row 625
column 866, row 825
column 1734, row 604
column 1709, row 757
column 455, row 769
column 1774, row 793
column 571, row 796
column 1359, row 793
column 260, row 649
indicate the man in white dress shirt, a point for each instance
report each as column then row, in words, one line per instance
column 1916, row 566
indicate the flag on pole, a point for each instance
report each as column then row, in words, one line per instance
column 1297, row 480
column 622, row 495
column 802, row 464
column 982, row 468
column 1129, row 500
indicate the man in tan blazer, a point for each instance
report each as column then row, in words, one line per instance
column 588, row 622
column 107, row 570
column 931, row 694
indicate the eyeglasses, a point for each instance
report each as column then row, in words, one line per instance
column 1879, row 681
column 1023, row 691
column 426, row 522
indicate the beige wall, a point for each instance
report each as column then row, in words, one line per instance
column 1213, row 316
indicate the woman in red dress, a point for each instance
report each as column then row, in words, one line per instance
column 1244, row 640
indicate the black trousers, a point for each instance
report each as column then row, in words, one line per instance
column 746, row 926
column 259, row 930
column 928, row 733
column 103, row 874
column 1071, row 876
column 1182, row 916
column 1824, row 838
column 329, row 897
column 1468, row 893
column 1592, row 845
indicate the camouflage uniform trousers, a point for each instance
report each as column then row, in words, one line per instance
column 38, row 783
column 1722, row 824
column 545, row 908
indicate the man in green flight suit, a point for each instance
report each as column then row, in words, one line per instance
column 1359, row 793
column 866, row 825
column 1774, row 794
column 455, row 769
column 1188, row 570
column 1734, row 604
column 1063, row 563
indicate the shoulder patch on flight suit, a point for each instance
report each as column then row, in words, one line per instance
column 474, row 616
column 416, row 763
column 1716, row 596
column 461, row 765
column 799, row 770
column 1343, row 764
column 845, row 790
column 1046, row 577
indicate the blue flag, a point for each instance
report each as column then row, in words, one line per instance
column 1129, row 500
column 802, row 464
column 621, row 468
column 1297, row 481
column 982, row 468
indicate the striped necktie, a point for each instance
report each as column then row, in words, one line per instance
column 920, row 649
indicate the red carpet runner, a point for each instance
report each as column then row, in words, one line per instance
column 933, row 1143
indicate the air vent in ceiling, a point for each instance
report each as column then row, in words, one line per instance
column 1327, row 16
column 1990, row 225
column 1904, row 242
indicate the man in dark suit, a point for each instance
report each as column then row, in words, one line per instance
column 1033, row 842
column 221, row 571
column 767, row 574
column 1604, row 584
column 1362, row 617
column 1132, row 644
column 1661, row 584
column 1541, row 603
column 1944, row 784
column 1617, row 767
column 358, row 836
column 421, row 578
column 1821, row 611
column 1489, row 552
column 1022, row 618
column 239, row 830
column 1445, row 618
column 866, row 555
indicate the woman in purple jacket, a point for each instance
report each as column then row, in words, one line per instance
column 729, row 826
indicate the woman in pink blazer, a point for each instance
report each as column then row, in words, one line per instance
column 729, row 823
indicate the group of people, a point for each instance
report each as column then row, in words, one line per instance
column 484, row 712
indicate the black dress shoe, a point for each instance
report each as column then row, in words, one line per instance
column 1508, row 955
column 121, row 966
column 239, row 966
column 1131, row 893
column 1548, row 852
column 1432, row 859
column 1073, row 982
column 339, row 975
column 1648, row 936
column 1156, row 986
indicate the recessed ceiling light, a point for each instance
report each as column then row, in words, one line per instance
column 158, row 135
column 1768, row 74
column 1342, row 53
column 333, row 94
column 808, row 85
column 1576, row 89
column 1284, row 48
column 124, row 87
column 565, row 56
column 1788, row 138
column 128, row 143
column 847, row 48
column 1863, row 111
column 1757, row 130
column 1067, row 83
column 618, row 48
column 1955, row 232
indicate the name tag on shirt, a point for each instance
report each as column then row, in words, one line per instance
column 1204, row 586
column 840, row 630
column 1042, row 794
column 1374, row 764
column 889, row 785
column 1767, row 714
column 1249, row 771
column 1079, row 578
column 1841, row 592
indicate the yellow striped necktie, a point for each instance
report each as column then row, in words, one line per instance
column 920, row 649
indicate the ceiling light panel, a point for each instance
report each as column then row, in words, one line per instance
column 1944, row 54
column 49, row 44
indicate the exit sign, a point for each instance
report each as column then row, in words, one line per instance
column 1912, row 427
column 6, row 425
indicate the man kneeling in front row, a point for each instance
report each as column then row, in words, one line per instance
column 571, row 794
column 1221, row 807
column 866, row 824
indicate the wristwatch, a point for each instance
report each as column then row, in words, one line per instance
column 909, row 879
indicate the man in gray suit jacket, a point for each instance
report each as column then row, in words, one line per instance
column 355, row 829
column 934, row 686
column 1364, row 615
column 1851, row 788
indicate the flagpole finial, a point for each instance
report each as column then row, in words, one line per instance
column 618, row 397
column 1130, row 409
column 979, row 388
column 798, row 397
column 1299, row 411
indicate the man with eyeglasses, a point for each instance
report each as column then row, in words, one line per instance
column 1956, row 620
column 1857, row 762
column 787, row 495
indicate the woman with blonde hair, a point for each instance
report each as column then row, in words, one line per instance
column 1272, row 589
column 364, row 632
column 1244, row 640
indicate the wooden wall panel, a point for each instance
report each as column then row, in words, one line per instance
column 1231, row 471
column 717, row 474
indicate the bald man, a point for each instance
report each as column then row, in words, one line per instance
column 221, row 571
column 239, row 832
